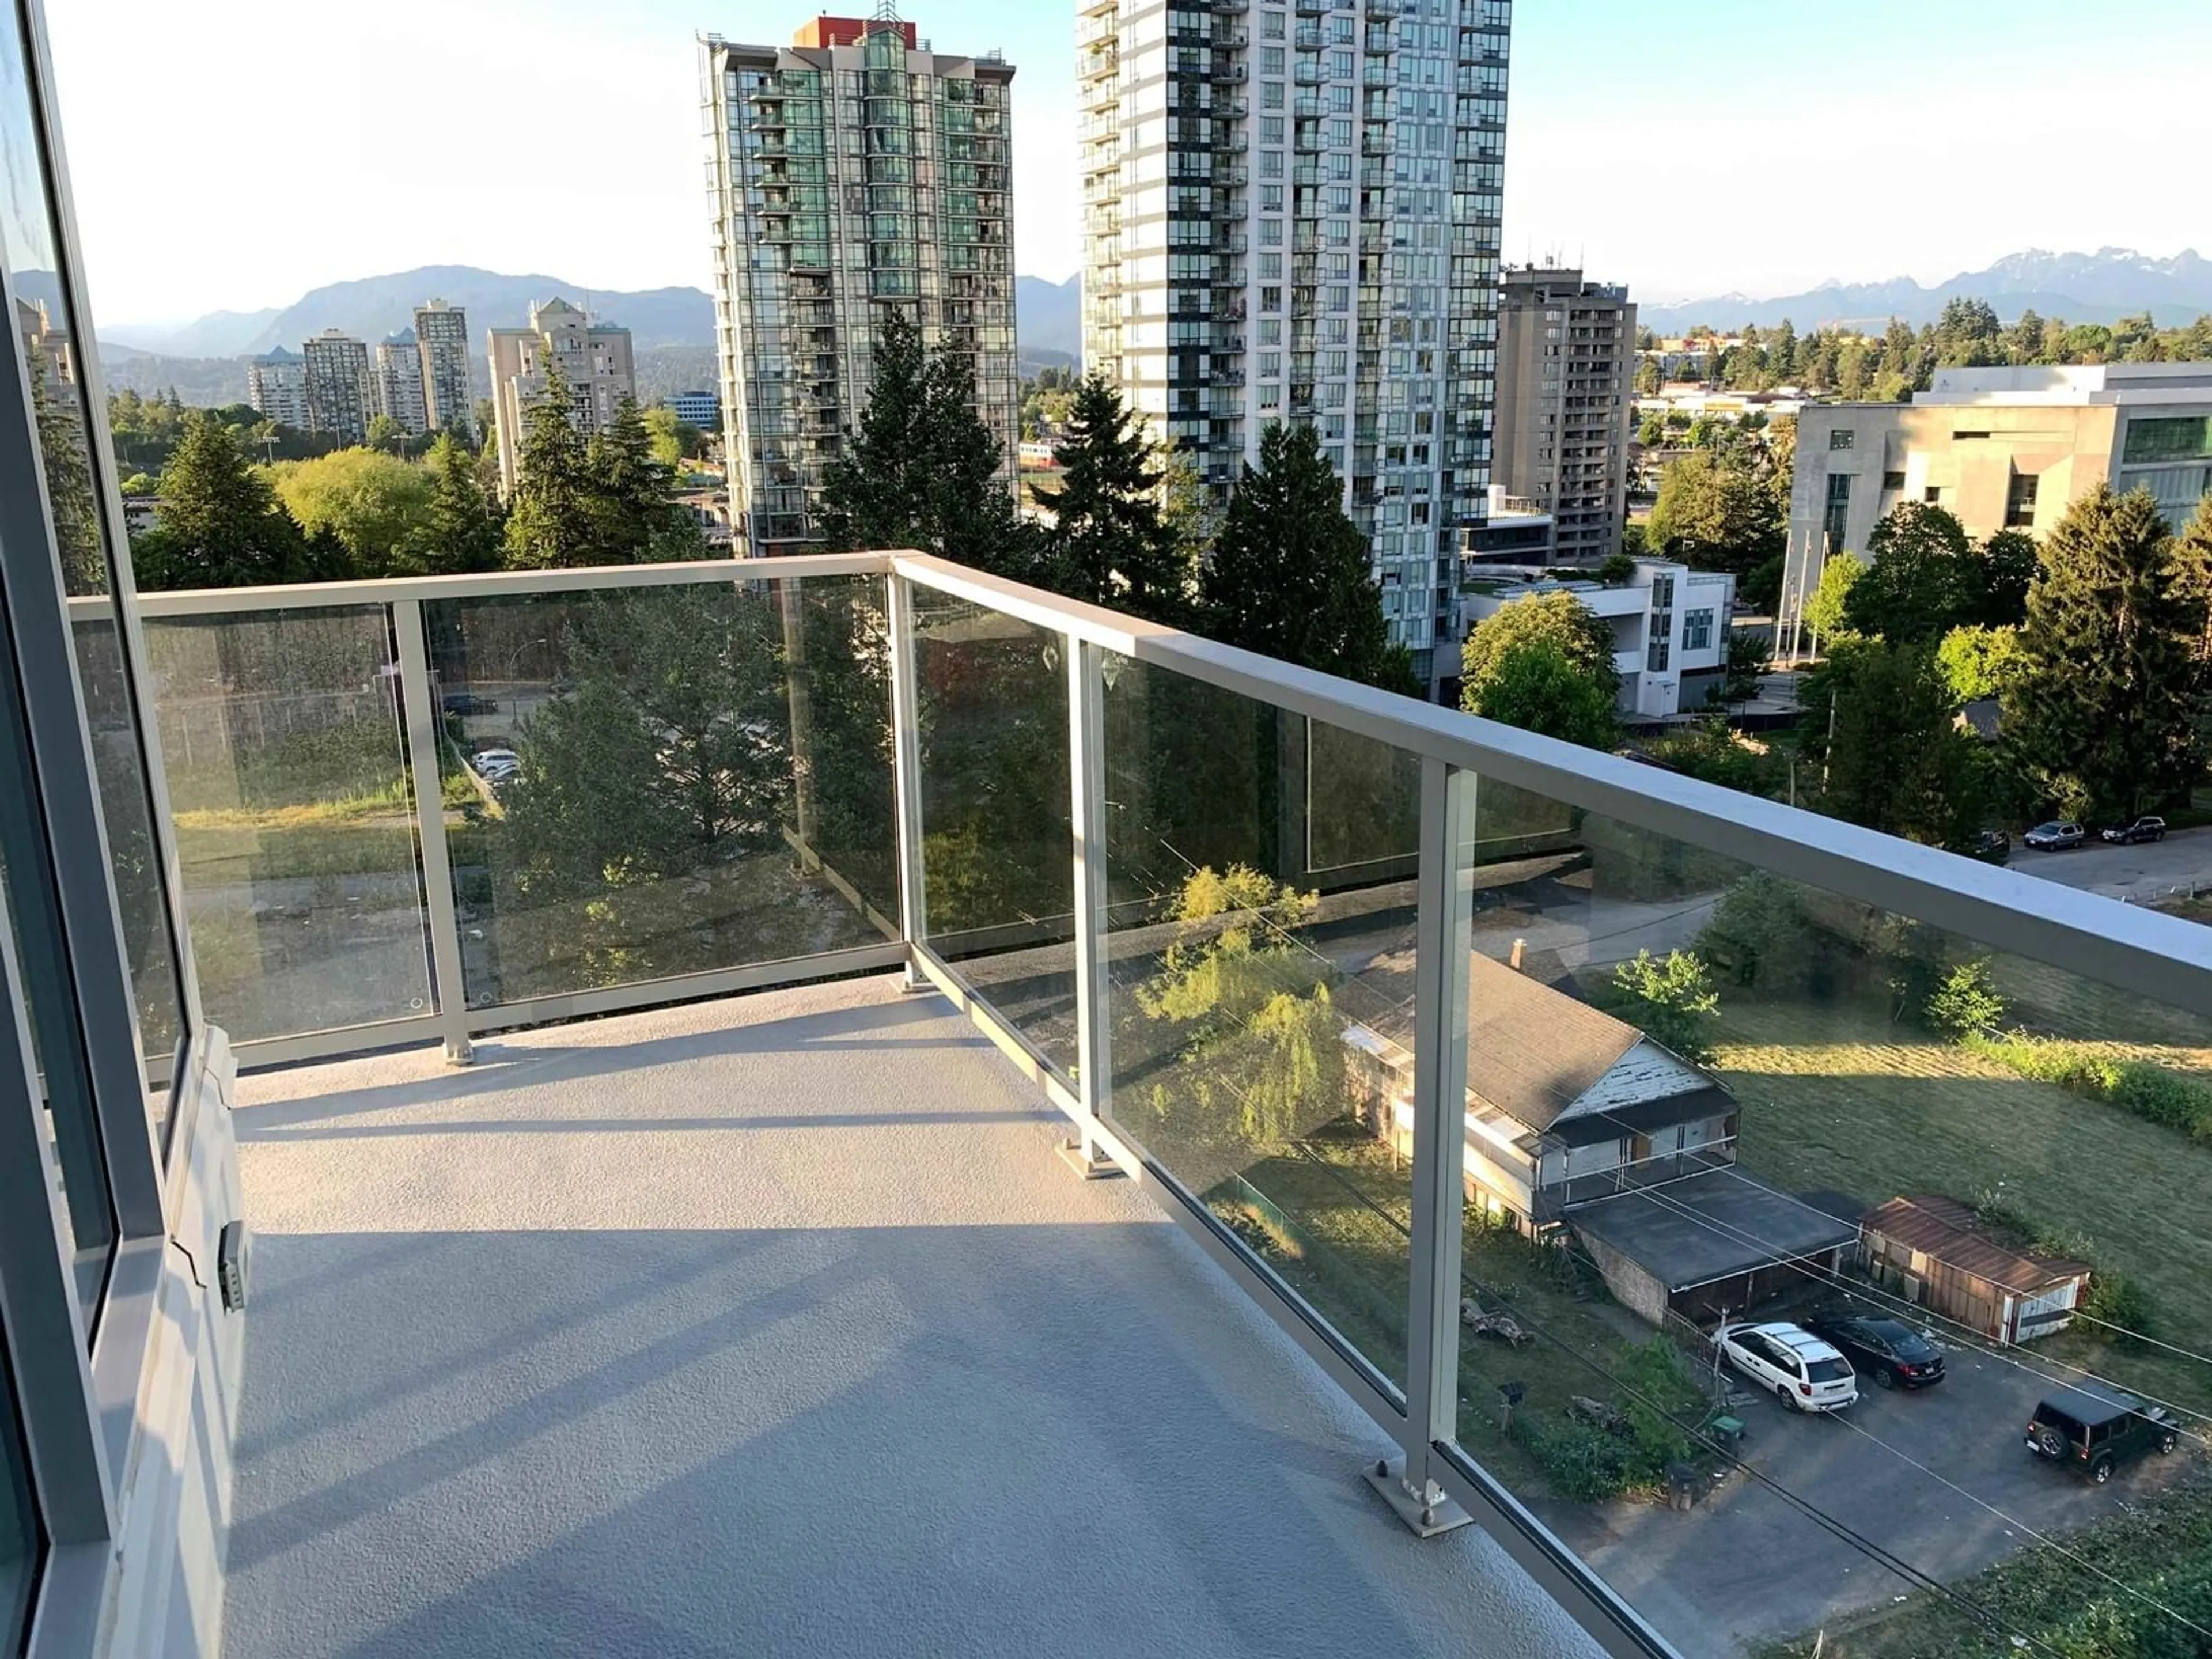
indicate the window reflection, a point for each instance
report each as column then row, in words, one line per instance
column 49, row 342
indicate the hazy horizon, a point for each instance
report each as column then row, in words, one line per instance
column 1731, row 150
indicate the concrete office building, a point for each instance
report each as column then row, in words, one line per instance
column 340, row 392
column 855, row 173
column 399, row 390
column 1670, row 626
column 276, row 385
column 441, row 334
column 1292, row 214
column 594, row 357
column 49, row 348
column 2003, row 448
column 1566, row 362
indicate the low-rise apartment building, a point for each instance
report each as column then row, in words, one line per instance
column 1670, row 627
column 2001, row 448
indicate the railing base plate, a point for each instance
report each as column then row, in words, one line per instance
column 1424, row 1520
column 1093, row 1166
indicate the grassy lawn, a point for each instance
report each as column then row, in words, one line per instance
column 1833, row 1098
column 2162, row 1550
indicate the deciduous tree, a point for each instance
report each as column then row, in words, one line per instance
column 375, row 505
column 1897, row 761
column 1920, row 582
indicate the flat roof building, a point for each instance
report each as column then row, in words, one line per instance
column 1567, row 364
column 2001, row 448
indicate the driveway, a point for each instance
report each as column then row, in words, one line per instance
column 2140, row 873
column 1745, row 1567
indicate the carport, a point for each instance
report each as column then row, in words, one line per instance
column 1713, row 1243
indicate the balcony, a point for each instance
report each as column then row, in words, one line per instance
column 665, row 1320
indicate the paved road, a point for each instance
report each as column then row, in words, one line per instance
column 2151, row 870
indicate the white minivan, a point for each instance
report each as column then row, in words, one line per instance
column 1791, row 1363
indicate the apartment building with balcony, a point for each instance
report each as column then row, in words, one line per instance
column 340, row 388
column 2000, row 449
column 401, row 395
column 1291, row 213
column 855, row 174
column 441, row 332
column 276, row 385
column 1566, row 362
column 593, row 358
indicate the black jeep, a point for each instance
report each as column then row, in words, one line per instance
column 2093, row 1433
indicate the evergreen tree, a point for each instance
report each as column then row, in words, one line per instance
column 921, row 470
column 632, row 507
column 548, row 523
column 1921, row 582
column 2103, row 719
column 1898, row 761
column 459, row 531
column 2006, row 564
column 69, row 483
column 2192, row 552
column 1289, row 575
column 220, row 525
column 1110, row 544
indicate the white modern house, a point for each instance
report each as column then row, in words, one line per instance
column 1670, row 626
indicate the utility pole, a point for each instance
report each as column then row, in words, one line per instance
column 1828, row 753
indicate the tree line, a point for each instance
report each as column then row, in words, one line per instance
column 1900, row 360
column 228, row 517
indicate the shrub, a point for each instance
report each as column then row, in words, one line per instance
column 2150, row 1092
column 1964, row 1003
column 2116, row 1299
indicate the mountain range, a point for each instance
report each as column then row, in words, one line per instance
column 370, row 307
column 2082, row 288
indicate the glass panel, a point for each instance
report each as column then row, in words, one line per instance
column 23, row 1540
column 653, row 782
column 289, row 783
column 1700, row 1094
column 997, row 853
column 60, row 1074
column 50, row 339
column 1261, row 970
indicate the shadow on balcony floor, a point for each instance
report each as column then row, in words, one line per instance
column 774, row 1326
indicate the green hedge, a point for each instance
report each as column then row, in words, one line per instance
column 2150, row 1092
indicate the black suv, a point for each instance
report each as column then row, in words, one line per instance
column 2093, row 1433
column 1888, row 1350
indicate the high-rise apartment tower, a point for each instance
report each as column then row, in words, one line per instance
column 1292, row 214
column 855, row 173
column 441, row 332
column 593, row 358
column 1566, row 370
column 340, row 393
column 399, row 383
column 276, row 385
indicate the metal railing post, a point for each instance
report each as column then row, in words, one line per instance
column 906, row 772
column 1086, row 773
column 1443, row 934
column 421, row 712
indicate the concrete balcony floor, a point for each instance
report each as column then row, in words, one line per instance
column 774, row 1326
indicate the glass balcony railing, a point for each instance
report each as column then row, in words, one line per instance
column 1501, row 1074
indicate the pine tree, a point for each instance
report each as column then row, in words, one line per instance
column 1898, row 761
column 460, row 533
column 2103, row 721
column 1289, row 575
column 2192, row 552
column 921, row 470
column 69, row 482
column 549, row 526
column 220, row 524
column 1111, row 544
column 632, row 507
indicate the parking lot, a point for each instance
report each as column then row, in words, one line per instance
column 2140, row 873
column 1897, row 1468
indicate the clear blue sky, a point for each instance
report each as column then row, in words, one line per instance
column 240, row 152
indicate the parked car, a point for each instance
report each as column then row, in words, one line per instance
column 496, row 765
column 1888, row 1350
column 1800, row 1369
column 2051, row 838
column 2092, row 1432
column 2147, row 828
column 1993, row 847
column 469, row 702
